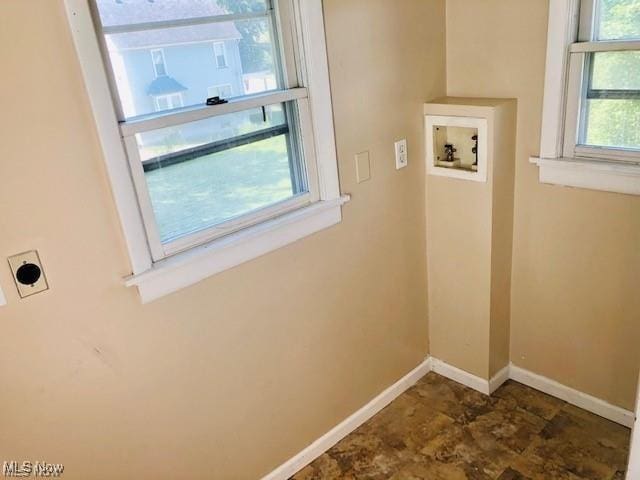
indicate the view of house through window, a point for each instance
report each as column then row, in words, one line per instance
column 611, row 106
column 222, row 91
column 205, row 173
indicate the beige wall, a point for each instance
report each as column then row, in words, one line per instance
column 231, row 377
column 575, row 313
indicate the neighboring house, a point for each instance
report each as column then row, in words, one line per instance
column 158, row 70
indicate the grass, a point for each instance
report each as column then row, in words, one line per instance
column 200, row 193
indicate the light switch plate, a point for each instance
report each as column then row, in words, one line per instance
column 3, row 299
column 402, row 156
column 28, row 273
column 363, row 167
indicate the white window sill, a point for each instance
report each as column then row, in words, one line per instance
column 593, row 175
column 187, row 268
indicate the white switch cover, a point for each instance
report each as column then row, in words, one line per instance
column 402, row 156
column 3, row 300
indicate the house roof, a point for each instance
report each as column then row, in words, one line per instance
column 164, row 85
column 127, row 12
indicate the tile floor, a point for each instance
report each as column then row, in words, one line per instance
column 441, row 430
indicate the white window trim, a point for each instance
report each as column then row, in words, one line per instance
column 163, row 277
column 595, row 174
column 224, row 55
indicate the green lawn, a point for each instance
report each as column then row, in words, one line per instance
column 200, row 193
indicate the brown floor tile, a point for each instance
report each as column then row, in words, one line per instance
column 450, row 398
column 526, row 398
column 537, row 469
column 589, row 446
column 513, row 428
column 440, row 430
column 457, row 446
column 429, row 470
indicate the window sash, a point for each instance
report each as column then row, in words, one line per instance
column 288, row 64
column 161, row 250
column 579, row 91
column 200, row 112
column 182, row 22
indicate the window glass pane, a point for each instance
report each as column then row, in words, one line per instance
column 192, row 59
column 615, row 71
column 611, row 115
column 618, row 20
column 207, row 172
column 128, row 12
column 613, row 123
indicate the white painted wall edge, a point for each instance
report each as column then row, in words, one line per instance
column 572, row 396
column 513, row 372
column 633, row 471
column 329, row 439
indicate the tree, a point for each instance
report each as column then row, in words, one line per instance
column 255, row 46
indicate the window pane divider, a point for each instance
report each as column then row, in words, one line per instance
column 182, row 22
column 182, row 156
column 613, row 94
column 201, row 112
column 605, row 46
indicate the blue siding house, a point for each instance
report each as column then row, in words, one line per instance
column 158, row 70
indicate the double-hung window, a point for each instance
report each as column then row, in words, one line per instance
column 208, row 180
column 591, row 118
column 603, row 105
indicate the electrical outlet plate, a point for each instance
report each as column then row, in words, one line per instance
column 28, row 273
column 402, row 156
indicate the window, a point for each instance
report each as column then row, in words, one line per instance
column 203, row 188
column 590, row 136
column 159, row 67
column 603, row 105
column 222, row 91
column 220, row 53
column 168, row 102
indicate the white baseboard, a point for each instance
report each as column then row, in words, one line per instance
column 465, row 378
column 574, row 397
column 487, row 387
column 470, row 380
column 329, row 439
column 499, row 378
